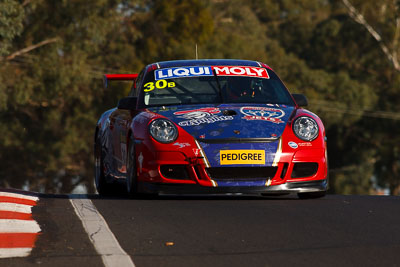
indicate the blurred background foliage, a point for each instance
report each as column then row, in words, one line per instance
column 343, row 55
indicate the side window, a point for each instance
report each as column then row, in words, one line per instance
column 138, row 83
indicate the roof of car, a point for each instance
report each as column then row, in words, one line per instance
column 208, row 62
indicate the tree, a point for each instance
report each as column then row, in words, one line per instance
column 48, row 118
column 389, row 11
column 171, row 29
column 381, row 21
column 11, row 17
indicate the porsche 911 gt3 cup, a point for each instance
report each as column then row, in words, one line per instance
column 210, row 126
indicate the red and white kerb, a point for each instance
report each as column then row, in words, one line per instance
column 18, row 230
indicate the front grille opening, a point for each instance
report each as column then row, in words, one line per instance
column 241, row 173
column 284, row 170
column 174, row 172
column 307, row 169
column 198, row 173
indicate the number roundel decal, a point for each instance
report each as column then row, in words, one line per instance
column 160, row 84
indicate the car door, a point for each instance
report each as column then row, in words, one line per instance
column 121, row 120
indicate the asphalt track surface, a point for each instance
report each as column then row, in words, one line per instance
column 224, row 231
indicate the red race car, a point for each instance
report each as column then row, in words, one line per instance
column 210, row 126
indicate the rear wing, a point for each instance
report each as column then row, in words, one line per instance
column 121, row 77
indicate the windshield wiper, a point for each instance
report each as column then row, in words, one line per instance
column 219, row 86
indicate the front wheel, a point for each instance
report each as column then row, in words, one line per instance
column 311, row 195
column 131, row 181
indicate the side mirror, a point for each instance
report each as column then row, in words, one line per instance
column 301, row 100
column 128, row 103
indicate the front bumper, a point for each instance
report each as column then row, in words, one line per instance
column 286, row 188
column 188, row 170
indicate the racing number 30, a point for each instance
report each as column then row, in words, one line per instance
column 161, row 84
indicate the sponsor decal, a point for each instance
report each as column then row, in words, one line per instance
column 199, row 116
column 196, row 151
column 293, row 145
column 181, row 145
column 229, row 157
column 263, row 114
column 208, row 120
column 305, row 144
column 273, row 105
column 215, row 133
column 140, row 160
column 197, row 113
column 197, row 71
column 182, row 72
column 241, row 71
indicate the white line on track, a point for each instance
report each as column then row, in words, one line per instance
column 100, row 234
column 15, row 207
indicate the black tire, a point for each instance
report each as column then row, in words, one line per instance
column 103, row 188
column 311, row 195
column 131, row 179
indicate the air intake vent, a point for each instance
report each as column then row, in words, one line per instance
column 241, row 173
column 304, row 169
column 174, row 172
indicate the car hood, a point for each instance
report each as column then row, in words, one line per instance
column 229, row 121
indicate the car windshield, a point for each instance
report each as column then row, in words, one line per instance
column 226, row 84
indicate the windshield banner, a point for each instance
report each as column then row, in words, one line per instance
column 196, row 71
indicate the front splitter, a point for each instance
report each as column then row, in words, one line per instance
column 287, row 188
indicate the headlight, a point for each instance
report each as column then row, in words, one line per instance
column 164, row 131
column 305, row 128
